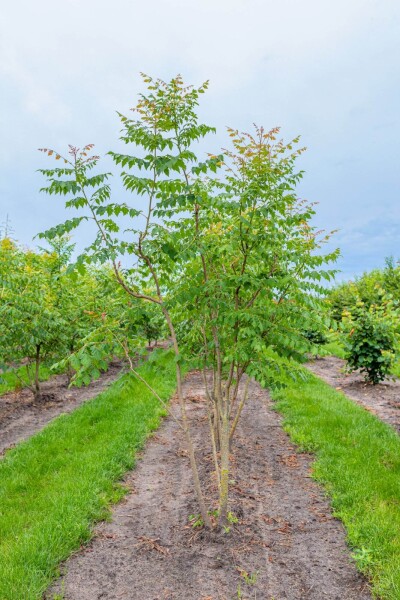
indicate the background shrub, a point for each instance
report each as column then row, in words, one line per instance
column 372, row 338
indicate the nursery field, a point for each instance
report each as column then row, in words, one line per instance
column 78, row 465
column 190, row 407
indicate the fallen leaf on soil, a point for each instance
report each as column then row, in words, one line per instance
column 268, row 519
column 182, row 452
column 195, row 399
column 108, row 536
column 290, row 461
column 151, row 544
column 285, row 528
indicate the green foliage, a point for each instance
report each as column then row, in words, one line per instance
column 256, row 274
column 372, row 338
column 366, row 288
column 32, row 322
column 391, row 277
column 75, row 322
column 368, row 309
column 105, row 325
column 151, row 322
column 196, row 521
column 334, row 346
column 316, row 337
column 345, row 296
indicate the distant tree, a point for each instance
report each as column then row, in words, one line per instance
column 367, row 289
column 6, row 229
column 150, row 322
column 51, row 314
column 391, row 277
column 31, row 322
column 372, row 338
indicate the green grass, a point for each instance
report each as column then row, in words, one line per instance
column 396, row 369
column 9, row 380
column 334, row 348
column 358, row 461
column 54, row 486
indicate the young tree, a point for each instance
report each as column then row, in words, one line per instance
column 31, row 323
column 372, row 338
column 367, row 288
column 50, row 314
column 231, row 263
column 151, row 323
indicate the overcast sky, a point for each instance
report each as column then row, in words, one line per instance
column 328, row 70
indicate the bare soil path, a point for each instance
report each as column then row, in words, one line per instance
column 383, row 400
column 286, row 544
column 21, row 417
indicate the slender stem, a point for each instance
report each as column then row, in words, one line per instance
column 23, row 382
column 212, row 431
column 37, row 368
column 239, row 410
column 224, row 487
column 149, row 387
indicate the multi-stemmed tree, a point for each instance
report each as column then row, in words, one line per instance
column 222, row 247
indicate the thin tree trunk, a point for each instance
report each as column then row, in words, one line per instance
column 210, row 414
column 239, row 410
column 214, row 447
column 192, row 456
column 70, row 370
column 37, row 369
column 224, row 487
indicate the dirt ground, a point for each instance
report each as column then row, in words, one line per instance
column 21, row 417
column 383, row 400
column 286, row 544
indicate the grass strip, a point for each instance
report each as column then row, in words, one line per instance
column 358, row 462
column 54, row 486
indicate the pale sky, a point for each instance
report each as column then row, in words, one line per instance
column 328, row 70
